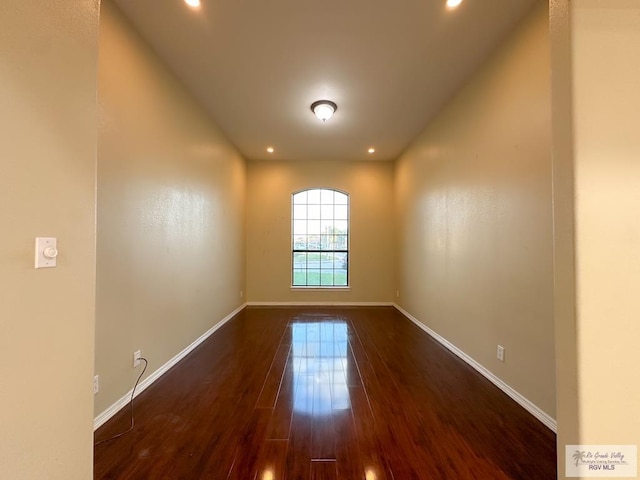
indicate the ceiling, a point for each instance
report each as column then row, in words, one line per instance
column 257, row 65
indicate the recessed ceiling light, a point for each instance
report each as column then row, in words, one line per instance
column 270, row 149
column 371, row 150
column 192, row 3
column 324, row 109
column 453, row 3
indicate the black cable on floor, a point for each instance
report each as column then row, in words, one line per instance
column 133, row 392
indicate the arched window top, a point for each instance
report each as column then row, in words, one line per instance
column 320, row 238
column 319, row 196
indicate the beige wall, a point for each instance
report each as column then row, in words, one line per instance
column 474, row 217
column 47, row 188
column 269, row 188
column 596, row 151
column 171, row 189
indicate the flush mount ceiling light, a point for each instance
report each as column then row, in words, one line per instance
column 324, row 109
column 192, row 3
column 453, row 3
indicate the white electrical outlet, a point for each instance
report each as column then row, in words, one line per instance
column 500, row 353
column 136, row 358
column 96, row 384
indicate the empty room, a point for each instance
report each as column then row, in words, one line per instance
column 349, row 240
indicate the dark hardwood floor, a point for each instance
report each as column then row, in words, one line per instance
column 324, row 393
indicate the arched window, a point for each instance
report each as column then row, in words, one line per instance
column 320, row 238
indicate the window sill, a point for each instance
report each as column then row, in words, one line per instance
column 321, row 289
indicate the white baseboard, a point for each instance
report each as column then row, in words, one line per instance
column 144, row 384
column 320, row 304
column 529, row 406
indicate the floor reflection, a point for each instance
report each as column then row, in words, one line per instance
column 319, row 366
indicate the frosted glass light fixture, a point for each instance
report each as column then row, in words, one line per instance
column 324, row 109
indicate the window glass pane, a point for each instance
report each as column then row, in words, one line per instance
column 314, row 227
column 314, row 212
column 327, row 242
column 341, row 212
column 300, row 242
column 341, row 199
column 340, row 279
column 327, row 212
column 313, row 277
column 313, row 242
column 300, row 277
column 326, row 277
column 341, row 242
column 326, row 197
column 299, row 211
column 327, row 261
column 299, row 227
column 313, row 260
column 341, row 264
column 326, row 226
column 300, row 197
column 300, row 260
column 340, row 226
column 313, row 197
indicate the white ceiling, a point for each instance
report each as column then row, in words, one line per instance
column 257, row 65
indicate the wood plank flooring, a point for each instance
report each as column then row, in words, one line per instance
column 324, row 394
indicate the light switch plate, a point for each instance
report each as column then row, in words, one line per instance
column 46, row 252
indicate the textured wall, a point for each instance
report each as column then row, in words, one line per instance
column 171, row 189
column 48, row 55
column 597, row 192
column 474, row 217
